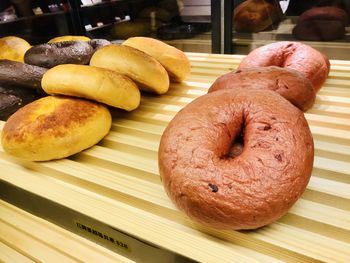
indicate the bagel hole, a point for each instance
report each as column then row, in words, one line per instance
column 236, row 147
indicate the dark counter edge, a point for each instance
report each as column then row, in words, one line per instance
column 70, row 220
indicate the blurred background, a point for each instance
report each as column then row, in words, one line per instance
column 192, row 25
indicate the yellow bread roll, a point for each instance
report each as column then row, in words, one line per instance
column 173, row 60
column 55, row 127
column 68, row 38
column 99, row 84
column 13, row 48
column 146, row 71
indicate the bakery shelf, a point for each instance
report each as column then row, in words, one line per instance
column 99, row 27
column 101, row 4
column 34, row 17
column 56, row 244
column 115, row 185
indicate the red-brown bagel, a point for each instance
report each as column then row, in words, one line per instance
column 328, row 13
column 229, row 187
column 294, row 55
column 289, row 83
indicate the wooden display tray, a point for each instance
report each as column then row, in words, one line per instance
column 116, row 184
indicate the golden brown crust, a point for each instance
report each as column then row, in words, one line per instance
column 203, row 175
column 146, row 71
column 289, row 83
column 55, row 120
column 99, row 84
column 13, row 48
column 55, row 127
column 173, row 60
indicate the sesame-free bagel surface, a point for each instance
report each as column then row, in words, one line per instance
column 145, row 70
column 236, row 159
column 289, row 83
column 53, row 54
column 55, row 127
column 99, row 84
column 294, row 55
column 14, row 74
column 173, row 60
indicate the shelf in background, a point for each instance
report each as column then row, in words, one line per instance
column 101, row 4
column 99, row 27
column 34, row 17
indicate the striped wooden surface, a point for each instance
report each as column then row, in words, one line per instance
column 27, row 238
column 117, row 181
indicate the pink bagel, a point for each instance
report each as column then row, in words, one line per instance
column 294, row 55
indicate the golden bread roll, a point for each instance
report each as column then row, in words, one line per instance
column 55, row 127
column 68, row 38
column 13, row 48
column 173, row 60
column 145, row 70
column 99, row 84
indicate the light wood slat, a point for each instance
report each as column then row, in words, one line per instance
column 342, row 92
column 143, row 163
column 301, row 208
column 169, row 234
column 41, row 183
column 36, row 234
column 330, row 187
column 324, row 99
column 10, row 255
column 79, row 175
column 328, row 121
column 30, row 246
column 317, row 246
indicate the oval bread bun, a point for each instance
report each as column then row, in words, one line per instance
column 102, row 85
column 13, row 48
column 68, row 38
column 145, row 70
column 173, row 60
column 55, row 127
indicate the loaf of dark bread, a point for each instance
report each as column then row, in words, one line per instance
column 324, row 13
column 255, row 15
column 325, row 23
column 319, row 30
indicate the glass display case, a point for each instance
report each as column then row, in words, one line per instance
column 191, row 25
column 323, row 25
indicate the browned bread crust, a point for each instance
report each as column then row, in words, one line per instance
column 55, row 127
column 229, row 187
column 289, row 83
column 294, row 55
